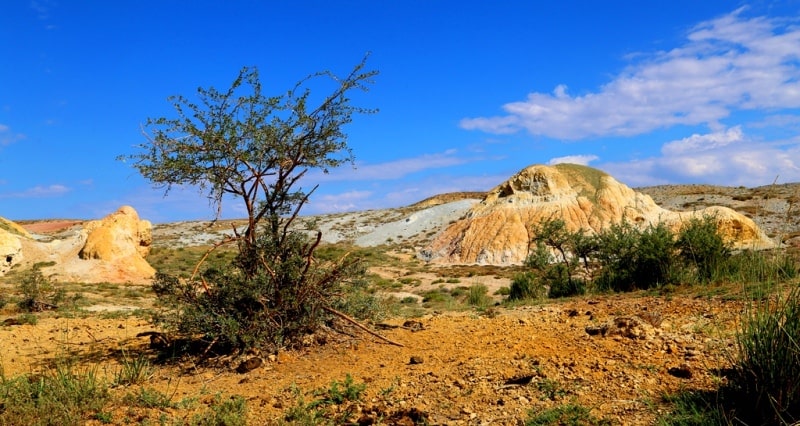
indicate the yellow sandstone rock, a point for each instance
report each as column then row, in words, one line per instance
column 497, row 230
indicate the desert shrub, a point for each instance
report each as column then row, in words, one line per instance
column 702, row 248
column 539, row 257
column 38, row 292
column 559, row 271
column 272, row 295
column 632, row 259
column 335, row 405
column 478, row 296
column 561, row 285
column 526, row 285
column 503, row 291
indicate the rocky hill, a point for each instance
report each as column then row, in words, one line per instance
column 498, row 230
column 447, row 228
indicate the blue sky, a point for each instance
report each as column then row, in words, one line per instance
column 469, row 92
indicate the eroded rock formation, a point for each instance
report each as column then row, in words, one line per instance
column 112, row 249
column 498, row 230
column 10, row 249
column 121, row 239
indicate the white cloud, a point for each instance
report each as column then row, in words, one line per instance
column 728, row 157
column 39, row 192
column 8, row 137
column 574, row 159
column 392, row 169
column 706, row 142
column 333, row 203
column 726, row 64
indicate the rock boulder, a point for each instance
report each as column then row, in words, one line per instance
column 122, row 239
column 497, row 231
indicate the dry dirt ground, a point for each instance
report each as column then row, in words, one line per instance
column 459, row 368
column 617, row 355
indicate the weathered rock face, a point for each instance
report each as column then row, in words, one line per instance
column 122, row 239
column 497, row 230
column 10, row 250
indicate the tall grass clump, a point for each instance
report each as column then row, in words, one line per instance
column 477, row 296
column 526, row 286
column 767, row 369
column 763, row 387
column 60, row 396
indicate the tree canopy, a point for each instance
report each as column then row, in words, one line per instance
column 246, row 144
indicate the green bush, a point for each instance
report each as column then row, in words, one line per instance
column 561, row 285
column 750, row 266
column 702, row 248
column 271, row 296
column 632, row 259
column 526, row 285
column 570, row 414
column 38, row 292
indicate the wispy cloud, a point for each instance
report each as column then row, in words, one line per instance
column 392, row 169
column 39, row 192
column 8, row 137
column 726, row 157
column 43, row 9
column 342, row 202
column 574, row 159
column 732, row 63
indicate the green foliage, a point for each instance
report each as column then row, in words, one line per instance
column 477, row 296
column 564, row 415
column 632, row 259
column 273, row 295
column 563, row 285
column 133, row 370
column 231, row 411
column 763, row 386
column 749, row 266
column 767, row 368
column 339, row 393
column 244, row 144
column 550, row 389
column 333, row 406
column 570, row 247
column 147, row 397
column 38, row 292
column 694, row 408
column 59, row 396
column 526, row 285
column 701, row 246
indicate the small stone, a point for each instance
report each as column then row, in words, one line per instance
column 249, row 365
column 415, row 360
column 682, row 372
